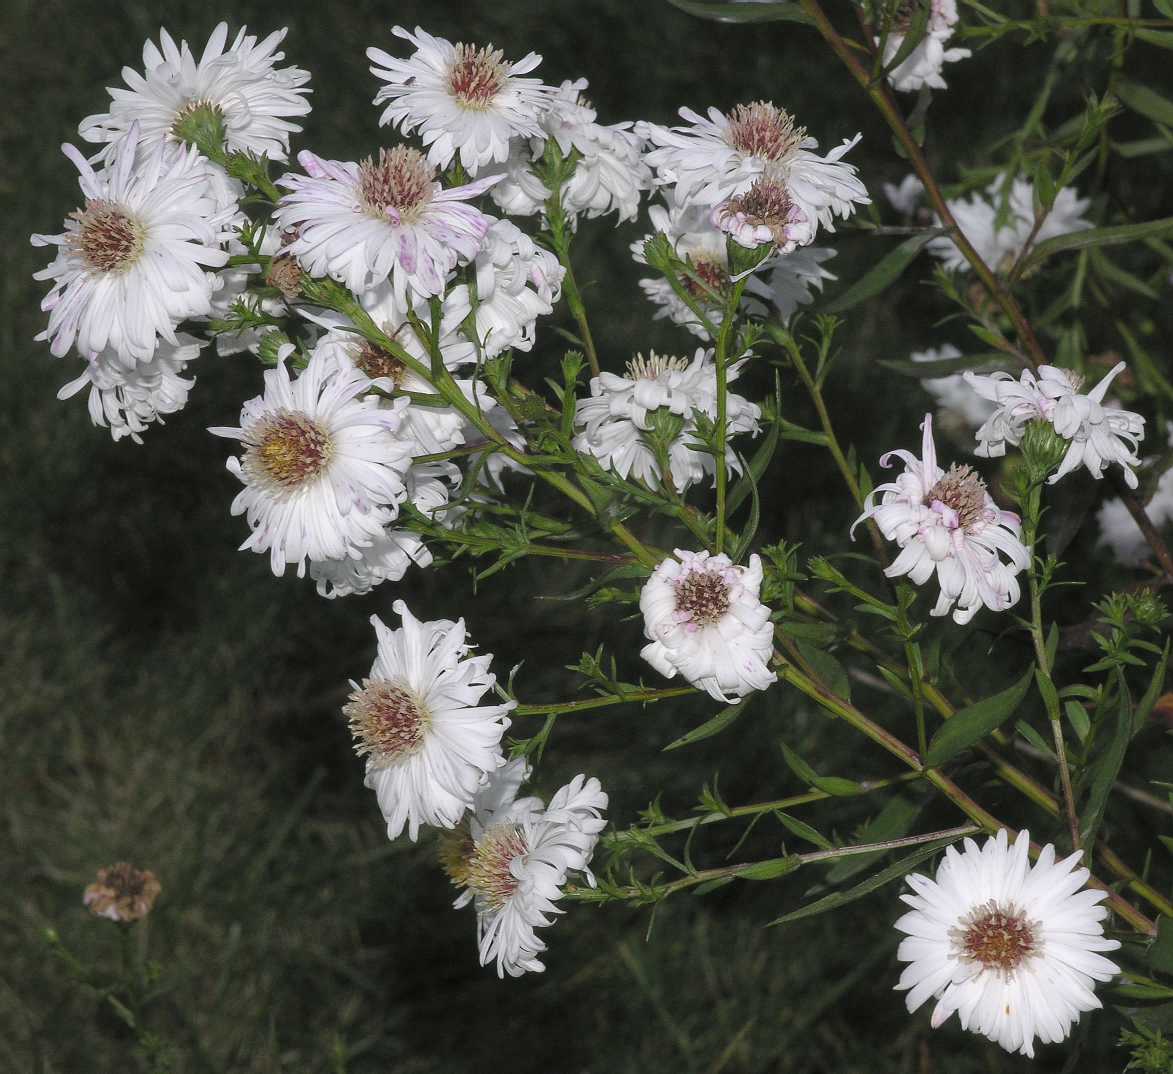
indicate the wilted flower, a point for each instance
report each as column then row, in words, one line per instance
column 704, row 620
column 946, row 523
column 122, row 893
column 1010, row 947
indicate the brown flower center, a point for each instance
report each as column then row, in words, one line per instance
column 109, row 239
column 766, row 204
column 455, row 851
column 292, row 450
column 703, row 595
column 999, row 937
column 714, row 275
column 476, row 76
column 386, row 721
column 763, row 130
column 487, row 867
column 284, row 274
column 398, row 184
column 962, row 491
column 377, row 363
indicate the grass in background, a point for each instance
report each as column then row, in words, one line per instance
column 169, row 702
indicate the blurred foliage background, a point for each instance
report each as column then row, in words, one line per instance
column 167, row 701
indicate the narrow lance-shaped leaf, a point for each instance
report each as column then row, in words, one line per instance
column 971, row 724
column 1156, row 685
column 710, row 727
column 840, row 898
column 834, row 785
column 1144, row 101
column 1103, row 771
column 1098, row 236
column 879, row 276
column 740, row 11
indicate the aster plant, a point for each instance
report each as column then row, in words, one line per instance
column 413, row 414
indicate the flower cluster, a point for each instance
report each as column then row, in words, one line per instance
column 922, row 66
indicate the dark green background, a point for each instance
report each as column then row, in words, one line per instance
column 166, row 700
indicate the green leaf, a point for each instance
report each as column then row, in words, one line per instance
column 768, row 870
column 970, row 724
column 712, row 885
column 1078, row 718
column 1161, row 950
column 803, row 830
column 756, row 468
column 1160, row 38
column 710, row 727
column 827, row 668
column 1146, row 102
column 740, row 11
column 1102, row 773
column 879, row 276
column 833, row 785
column 985, row 361
column 1156, row 684
column 1098, row 236
column 840, row 898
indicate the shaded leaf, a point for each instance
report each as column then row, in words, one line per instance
column 974, row 722
column 893, row 821
column 1102, row 773
column 833, row 785
column 1156, row 684
column 1144, row 101
column 768, row 870
column 827, row 667
column 1098, row 236
column 740, row 11
column 803, row 830
column 879, row 276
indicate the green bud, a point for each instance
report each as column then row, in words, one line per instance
column 270, row 346
column 659, row 255
column 202, row 125
column 1043, row 449
column 666, row 427
column 742, row 260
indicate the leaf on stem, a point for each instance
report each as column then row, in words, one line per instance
column 710, row 727
column 886, row 271
column 833, row 785
column 971, row 724
column 1097, row 236
column 741, row 11
column 1102, row 773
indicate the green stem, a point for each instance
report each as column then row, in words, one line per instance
column 722, row 356
column 574, row 300
column 634, row 697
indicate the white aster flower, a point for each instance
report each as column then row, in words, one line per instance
column 923, row 65
column 428, row 742
column 998, row 225
column 232, row 286
column 704, row 620
column 621, row 410
column 384, row 218
column 702, row 246
column 241, row 85
column 465, row 101
column 716, row 161
column 1011, row 947
column 127, row 401
column 517, row 282
column 947, row 523
column 609, row 177
column 389, row 556
column 132, row 263
column 960, row 405
column 322, row 469
column 1118, row 529
column 514, row 857
column 1099, row 436
column 905, row 196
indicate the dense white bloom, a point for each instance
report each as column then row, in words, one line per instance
column 240, row 84
column 622, row 409
column 1119, row 530
column 905, row 196
column 323, row 471
column 389, row 556
column 131, row 264
column 1011, row 947
column 959, row 403
column 947, row 523
column 788, row 281
column 1099, row 436
column 610, row 174
column 1001, row 237
column 923, row 65
column 514, row 858
column 703, row 619
column 465, row 101
column 384, row 218
column 127, row 401
column 754, row 168
column 517, row 282
column 428, row 742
